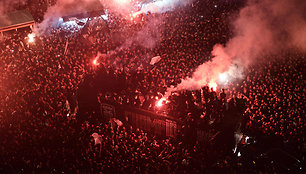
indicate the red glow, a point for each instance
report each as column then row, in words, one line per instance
column 31, row 37
column 95, row 61
column 213, row 85
column 160, row 102
column 134, row 15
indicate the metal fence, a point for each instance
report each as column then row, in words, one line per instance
column 156, row 124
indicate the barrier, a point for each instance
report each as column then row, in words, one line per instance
column 156, row 124
column 16, row 19
column 160, row 125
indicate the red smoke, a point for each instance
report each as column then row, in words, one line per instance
column 262, row 28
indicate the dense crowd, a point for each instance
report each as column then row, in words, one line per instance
column 41, row 84
column 276, row 96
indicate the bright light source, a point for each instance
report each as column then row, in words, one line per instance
column 95, row 61
column 31, row 37
column 223, row 77
column 247, row 138
column 105, row 17
column 160, row 102
column 213, row 85
column 239, row 154
column 134, row 15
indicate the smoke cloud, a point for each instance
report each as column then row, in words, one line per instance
column 60, row 9
column 123, row 8
column 149, row 36
column 119, row 7
column 162, row 6
column 262, row 28
column 151, row 33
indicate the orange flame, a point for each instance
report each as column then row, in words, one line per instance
column 213, row 85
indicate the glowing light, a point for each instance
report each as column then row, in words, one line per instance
column 95, row 61
column 136, row 14
column 31, row 37
column 71, row 23
column 223, row 77
column 246, row 139
column 105, row 17
column 160, row 102
column 213, row 85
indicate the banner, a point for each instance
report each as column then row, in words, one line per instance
column 155, row 59
column 97, row 138
column 66, row 47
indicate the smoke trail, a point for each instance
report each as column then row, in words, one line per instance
column 262, row 28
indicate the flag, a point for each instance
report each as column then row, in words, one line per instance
column 97, row 138
column 118, row 122
column 155, row 59
column 66, row 47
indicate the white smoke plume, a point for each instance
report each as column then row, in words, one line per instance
column 151, row 33
column 67, row 7
column 161, row 6
column 119, row 7
column 262, row 28
column 208, row 71
column 60, row 9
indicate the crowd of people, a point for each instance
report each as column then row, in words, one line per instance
column 275, row 98
column 42, row 85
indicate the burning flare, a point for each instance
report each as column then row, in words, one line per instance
column 223, row 77
column 161, row 101
column 213, row 85
column 31, row 37
column 95, row 61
